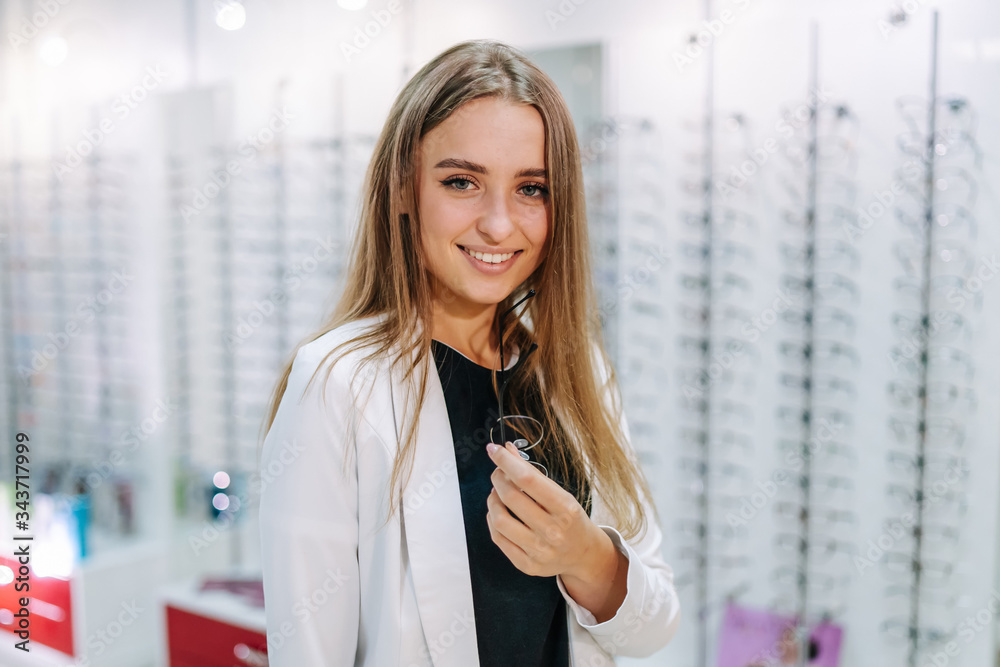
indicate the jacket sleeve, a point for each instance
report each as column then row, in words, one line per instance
column 309, row 524
column 650, row 613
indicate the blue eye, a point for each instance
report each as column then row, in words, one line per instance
column 451, row 183
column 542, row 191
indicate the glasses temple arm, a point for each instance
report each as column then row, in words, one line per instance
column 520, row 362
column 503, row 372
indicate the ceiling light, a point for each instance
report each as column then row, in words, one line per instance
column 53, row 51
column 230, row 15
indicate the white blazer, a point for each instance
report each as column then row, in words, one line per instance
column 339, row 592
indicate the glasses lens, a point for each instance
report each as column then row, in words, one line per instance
column 524, row 432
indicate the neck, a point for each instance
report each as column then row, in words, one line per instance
column 469, row 329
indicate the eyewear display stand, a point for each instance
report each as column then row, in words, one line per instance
column 70, row 383
column 8, row 337
column 627, row 216
column 815, row 421
column 715, row 431
column 66, row 286
column 254, row 270
column 599, row 149
column 932, row 400
column 634, row 303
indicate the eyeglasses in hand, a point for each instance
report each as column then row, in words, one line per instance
column 526, row 432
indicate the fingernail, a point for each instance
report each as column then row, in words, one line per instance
column 492, row 447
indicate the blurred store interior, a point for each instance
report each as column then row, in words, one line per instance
column 792, row 214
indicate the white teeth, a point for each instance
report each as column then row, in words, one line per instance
column 488, row 258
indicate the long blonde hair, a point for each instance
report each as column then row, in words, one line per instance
column 387, row 275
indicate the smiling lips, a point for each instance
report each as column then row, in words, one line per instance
column 488, row 258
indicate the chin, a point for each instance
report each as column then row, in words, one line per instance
column 484, row 298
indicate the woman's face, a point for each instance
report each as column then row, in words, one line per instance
column 482, row 187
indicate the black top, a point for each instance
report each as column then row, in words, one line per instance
column 520, row 619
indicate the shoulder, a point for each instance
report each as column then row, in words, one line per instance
column 326, row 342
column 346, row 362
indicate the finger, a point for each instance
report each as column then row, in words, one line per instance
column 506, row 523
column 514, row 553
column 549, row 495
column 517, row 501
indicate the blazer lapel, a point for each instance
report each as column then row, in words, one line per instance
column 434, row 528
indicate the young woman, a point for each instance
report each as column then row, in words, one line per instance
column 393, row 532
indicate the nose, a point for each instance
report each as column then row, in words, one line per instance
column 496, row 222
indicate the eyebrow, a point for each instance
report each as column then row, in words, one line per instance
column 459, row 163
